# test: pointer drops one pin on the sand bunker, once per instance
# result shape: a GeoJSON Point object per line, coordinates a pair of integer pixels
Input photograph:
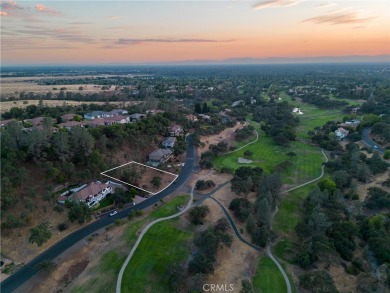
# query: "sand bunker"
{"type": "Point", "coordinates": [244, 161]}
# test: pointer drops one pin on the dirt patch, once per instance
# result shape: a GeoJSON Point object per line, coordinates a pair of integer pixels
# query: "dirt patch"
{"type": "Point", "coordinates": [227, 135]}
{"type": "Point", "coordinates": [72, 266]}
{"type": "Point", "coordinates": [6, 106]}
{"type": "Point", "coordinates": [362, 189]}
{"type": "Point", "coordinates": [143, 176]}
{"type": "Point", "coordinates": [235, 263]}
{"type": "Point", "coordinates": [344, 282]}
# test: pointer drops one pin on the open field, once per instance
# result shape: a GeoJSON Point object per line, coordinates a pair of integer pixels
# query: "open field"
{"type": "Point", "coordinates": [6, 106]}
{"type": "Point", "coordinates": [268, 278]}
{"type": "Point", "coordinates": [102, 276]}
{"type": "Point", "coordinates": [141, 176]}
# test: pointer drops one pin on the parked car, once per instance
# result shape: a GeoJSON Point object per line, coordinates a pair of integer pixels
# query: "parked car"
{"type": "Point", "coordinates": [113, 213]}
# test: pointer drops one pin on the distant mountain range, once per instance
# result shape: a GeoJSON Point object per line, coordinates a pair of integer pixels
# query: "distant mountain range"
{"type": "Point", "coordinates": [284, 60]}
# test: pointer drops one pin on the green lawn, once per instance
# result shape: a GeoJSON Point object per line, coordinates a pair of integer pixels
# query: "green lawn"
{"type": "Point", "coordinates": [268, 278]}
{"type": "Point", "coordinates": [109, 265]}
{"type": "Point", "coordinates": [171, 208]}
{"type": "Point", "coordinates": [306, 165]}
{"type": "Point", "coordinates": [284, 250]}
{"type": "Point", "coordinates": [290, 208]}
{"type": "Point", "coordinates": [163, 246]}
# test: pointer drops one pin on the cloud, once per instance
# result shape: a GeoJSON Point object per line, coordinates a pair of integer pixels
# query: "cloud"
{"type": "Point", "coordinates": [338, 18]}
{"type": "Point", "coordinates": [3, 13]}
{"type": "Point", "coordinates": [9, 5]}
{"type": "Point", "coordinates": [326, 5]}
{"type": "Point", "coordinates": [113, 17]}
{"type": "Point", "coordinates": [44, 9]}
{"type": "Point", "coordinates": [62, 34]}
{"type": "Point", "coordinates": [139, 41]}
{"type": "Point", "coordinates": [276, 3]}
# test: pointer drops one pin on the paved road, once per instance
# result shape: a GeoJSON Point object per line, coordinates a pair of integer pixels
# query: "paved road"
{"type": "Point", "coordinates": [27, 271]}
{"type": "Point", "coordinates": [366, 139]}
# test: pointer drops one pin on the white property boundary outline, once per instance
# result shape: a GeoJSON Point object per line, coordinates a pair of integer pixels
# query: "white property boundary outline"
{"type": "Point", "coordinates": [103, 173]}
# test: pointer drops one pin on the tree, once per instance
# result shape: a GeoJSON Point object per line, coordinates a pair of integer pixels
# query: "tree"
{"type": "Point", "coordinates": [342, 179]}
{"type": "Point", "coordinates": [318, 282]}
{"type": "Point", "coordinates": [246, 287]}
{"type": "Point", "coordinates": [40, 234]}
{"type": "Point", "coordinates": [46, 266]}
{"type": "Point", "coordinates": [291, 155]}
{"type": "Point", "coordinates": [250, 224]}
{"type": "Point", "coordinates": [197, 214]}
{"type": "Point", "coordinates": [327, 184]}
{"type": "Point", "coordinates": [248, 154]}
{"type": "Point", "coordinates": [80, 212]}
{"type": "Point", "coordinates": [376, 164]}
{"type": "Point", "coordinates": [201, 263]}
{"type": "Point", "coordinates": [198, 108]}
{"type": "Point", "coordinates": [222, 225]}
{"type": "Point", "coordinates": [156, 181]}
{"type": "Point", "coordinates": [205, 108]}
{"type": "Point", "coordinates": [176, 276]}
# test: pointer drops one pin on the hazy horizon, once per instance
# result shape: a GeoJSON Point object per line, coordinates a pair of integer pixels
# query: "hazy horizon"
{"type": "Point", "coordinates": [168, 32]}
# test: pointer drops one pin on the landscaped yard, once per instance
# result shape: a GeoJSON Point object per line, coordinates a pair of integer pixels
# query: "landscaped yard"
{"type": "Point", "coordinates": [268, 278]}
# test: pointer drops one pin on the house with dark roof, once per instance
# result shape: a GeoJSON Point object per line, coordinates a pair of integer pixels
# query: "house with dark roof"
{"type": "Point", "coordinates": [175, 130]}
{"type": "Point", "coordinates": [92, 193]}
{"type": "Point", "coordinates": [97, 114]}
{"type": "Point", "coordinates": [169, 142]}
{"type": "Point", "coordinates": [68, 117]}
{"type": "Point", "coordinates": [159, 157]}
{"type": "Point", "coordinates": [70, 124]}
{"type": "Point", "coordinates": [118, 112]}
{"type": "Point", "coordinates": [136, 117]}
{"type": "Point", "coordinates": [117, 119]}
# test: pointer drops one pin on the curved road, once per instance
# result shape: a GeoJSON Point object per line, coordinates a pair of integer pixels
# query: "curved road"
{"type": "Point", "coordinates": [368, 141]}
{"type": "Point", "coordinates": [29, 270]}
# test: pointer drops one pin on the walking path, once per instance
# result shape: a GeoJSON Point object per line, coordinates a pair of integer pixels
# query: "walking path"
{"type": "Point", "coordinates": [143, 232]}
{"type": "Point", "coordinates": [269, 246]}
{"type": "Point", "coordinates": [249, 143]}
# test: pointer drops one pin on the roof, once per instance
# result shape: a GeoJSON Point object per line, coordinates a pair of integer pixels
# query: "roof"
{"type": "Point", "coordinates": [118, 111]}
{"type": "Point", "coordinates": [137, 115]}
{"type": "Point", "coordinates": [342, 130]}
{"type": "Point", "coordinates": [68, 116]}
{"type": "Point", "coordinates": [92, 188]}
{"type": "Point", "coordinates": [115, 118]}
{"type": "Point", "coordinates": [175, 127]}
{"type": "Point", "coordinates": [169, 140]}
{"type": "Point", "coordinates": [97, 121]}
{"type": "Point", "coordinates": [36, 121]}
{"type": "Point", "coordinates": [95, 113]}
{"type": "Point", "coordinates": [71, 124]}
{"type": "Point", "coordinates": [159, 153]}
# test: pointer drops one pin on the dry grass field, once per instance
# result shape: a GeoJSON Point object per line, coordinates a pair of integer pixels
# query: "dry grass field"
{"type": "Point", "coordinates": [6, 106]}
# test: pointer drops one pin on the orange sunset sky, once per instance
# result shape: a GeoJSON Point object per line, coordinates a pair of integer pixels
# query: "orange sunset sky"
{"type": "Point", "coordinates": [101, 32]}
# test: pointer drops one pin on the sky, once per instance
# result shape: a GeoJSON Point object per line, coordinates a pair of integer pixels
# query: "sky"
{"type": "Point", "coordinates": [127, 32]}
